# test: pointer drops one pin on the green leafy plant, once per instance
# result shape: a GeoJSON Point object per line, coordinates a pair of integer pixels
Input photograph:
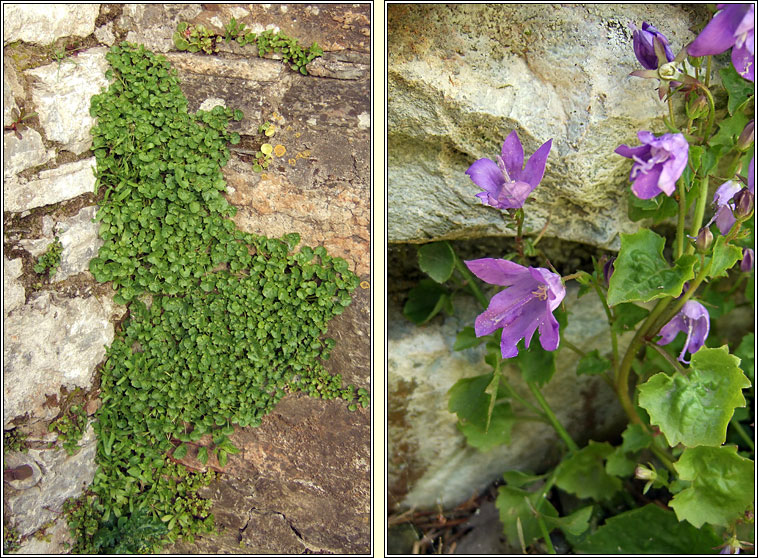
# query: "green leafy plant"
{"type": "Point", "coordinates": [70, 427]}
{"type": "Point", "coordinates": [11, 538]}
{"type": "Point", "coordinates": [14, 440]}
{"type": "Point", "coordinates": [18, 122]}
{"type": "Point", "coordinates": [50, 260]}
{"type": "Point", "coordinates": [232, 322]}
{"type": "Point", "coordinates": [194, 38]}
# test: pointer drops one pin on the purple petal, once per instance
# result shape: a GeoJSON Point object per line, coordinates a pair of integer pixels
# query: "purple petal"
{"type": "Point", "coordinates": [724, 219]}
{"type": "Point", "coordinates": [669, 332]}
{"type": "Point", "coordinates": [556, 289]}
{"type": "Point", "coordinates": [535, 166]}
{"type": "Point", "coordinates": [513, 155]}
{"type": "Point", "coordinates": [641, 151]}
{"type": "Point", "coordinates": [550, 333]}
{"type": "Point", "coordinates": [725, 193]}
{"type": "Point", "coordinates": [751, 176]}
{"type": "Point", "coordinates": [744, 61]}
{"type": "Point", "coordinates": [719, 34]}
{"type": "Point", "coordinates": [646, 185]}
{"type": "Point", "coordinates": [496, 271]}
{"type": "Point", "coordinates": [485, 174]}
{"type": "Point", "coordinates": [513, 195]}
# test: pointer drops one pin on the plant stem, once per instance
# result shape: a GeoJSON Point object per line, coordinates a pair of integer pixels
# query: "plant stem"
{"type": "Point", "coordinates": [573, 347]}
{"type": "Point", "coordinates": [545, 534]}
{"type": "Point", "coordinates": [552, 418]}
{"type": "Point", "coordinates": [671, 360]}
{"type": "Point", "coordinates": [741, 431]}
{"type": "Point", "coordinates": [611, 319]}
{"type": "Point", "coordinates": [711, 111]}
{"type": "Point", "coordinates": [471, 283]}
{"type": "Point", "coordinates": [521, 400]}
{"type": "Point", "coordinates": [680, 222]}
{"type": "Point", "coordinates": [697, 220]}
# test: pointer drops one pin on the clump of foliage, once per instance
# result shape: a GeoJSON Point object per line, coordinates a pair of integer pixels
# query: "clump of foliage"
{"type": "Point", "coordinates": [14, 440]}
{"type": "Point", "coordinates": [11, 538]}
{"type": "Point", "coordinates": [194, 38]}
{"type": "Point", "coordinates": [51, 259]}
{"type": "Point", "coordinates": [70, 427]}
{"type": "Point", "coordinates": [18, 122]}
{"type": "Point", "coordinates": [233, 320]}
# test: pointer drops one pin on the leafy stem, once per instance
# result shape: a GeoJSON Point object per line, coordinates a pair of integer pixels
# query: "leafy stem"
{"type": "Point", "coordinates": [556, 424]}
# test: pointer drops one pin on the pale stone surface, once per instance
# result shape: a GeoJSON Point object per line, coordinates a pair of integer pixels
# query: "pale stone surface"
{"type": "Point", "coordinates": [459, 83]}
{"type": "Point", "coordinates": [253, 69]}
{"type": "Point", "coordinates": [13, 291]}
{"type": "Point", "coordinates": [62, 477]}
{"type": "Point", "coordinates": [105, 34]}
{"type": "Point", "coordinates": [51, 541]}
{"type": "Point", "coordinates": [53, 342]}
{"type": "Point", "coordinates": [51, 186]}
{"type": "Point", "coordinates": [80, 241]}
{"type": "Point", "coordinates": [429, 462]}
{"type": "Point", "coordinates": [44, 23]}
{"type": "Point", "coordinates": [62, 94]}
{"type": "Point", "coordinates": [154, 25]}
{"type": "Point", "coordinates": [24, 153]}
{"type": "Point", "coordinates": [9, 93]}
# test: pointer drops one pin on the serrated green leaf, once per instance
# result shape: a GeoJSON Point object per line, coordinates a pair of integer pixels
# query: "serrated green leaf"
{"type": "Point", "coordinates": [468, 398]}
{"type": "Point", "coordinates": [648, 530]}
{"type": "Point", "coordinates": [592, 363]}
{"type": "Point", "coordinates": [658, 208]}
{"type": "Point", "coordinates": [467, 338]}
{"type": "Point", "coordinates": [574, 524]}
{"type": "Point", "coordinates": [724, 257]}
{"type": "Point", "coordinates": [425, 301]}
{"type": "Point", "coordinates": [518, 479]}
{"type": "Point", "coordinates": [537, 365]}
{"type": "Point", "coordinates": [641, 273]}
{"type": "Point", "coordinates": [739, 89]}
{"type": "Point", "coordinates": [583, 473]}
{"type": "Point", "coordinates": [627, 316]}
{"type": "Point", "coordinates": [180, 452]}
{"type": "Point", "coordinates": [516, 505]}
{"type": "Point", "coordinates": [696, 409]}
{"type": "Point", "coordinates": [437, 260]}
{"type": "Point", "coordinates": [498, 433]}
{"type": "Point", "coordinates": [722, 486]}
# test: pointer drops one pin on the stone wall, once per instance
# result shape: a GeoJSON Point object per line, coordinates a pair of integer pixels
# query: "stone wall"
{"type": "Point", "coordinates": [55, 332]}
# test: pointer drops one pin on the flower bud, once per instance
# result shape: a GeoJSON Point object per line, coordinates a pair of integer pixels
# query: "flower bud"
{"type": "Point", "coordinates": [743, 203]}
{"type": "Point", "coordinates": [747, 260]}
{"type": "Point", "coordinates": [746, 137]}
{"type": "Point", "coordinates": [608, 270]}
{"type": "Point", "coordinates": [703, 240]}
{"type": "Point", "coordinates": [696, 108]}
{"type": "Point", "coordinates": [643, 473]}
{"type": "Point", "coordinates": [669, 72]}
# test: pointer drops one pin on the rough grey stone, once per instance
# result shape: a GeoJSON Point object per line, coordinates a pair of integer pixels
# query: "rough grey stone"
{"type": "Point", "coordinates": [51, 186]}
{"type": "Point", "coordinates": [51, 540]}
{"type": "Point", "coordinates": [13, 291]}
{"type": "Point", "coordinates": [459, 83]}
{"type": "Point", "coordinates": [44, 23]}
{"type": "Point", "coordinates": [24, 153]}
{"type": "Point", "coordinates": [49, 343]}
{"type": "Point", "coordinates": [429, 462]}
{"type": "Point", "coordinates": [105, 34]}
{"type": "Point", "coordinates": [9, 93]}
{"type": "Point", "coordinates": [37, 246]}
{"type": "Point", "coordinates": [80, 241]}
{"type": "Point", "coordinates": [254, 69]}
{"type": "Point", "coordinates": [154, 25]}
{"type": "Point", "coordinates": [62, 93]}
{"type": "Point", "coordinates": [62, 477]}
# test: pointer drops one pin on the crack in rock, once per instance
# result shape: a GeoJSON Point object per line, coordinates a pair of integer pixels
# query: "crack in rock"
{"type": "Point", "coordinates": [289, 522]}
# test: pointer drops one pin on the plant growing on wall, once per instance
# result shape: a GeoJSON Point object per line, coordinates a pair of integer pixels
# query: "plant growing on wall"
{"type": "Point", "coordinates": [682, 479]}
{"type": "Point", "coordinates": [221, 322]}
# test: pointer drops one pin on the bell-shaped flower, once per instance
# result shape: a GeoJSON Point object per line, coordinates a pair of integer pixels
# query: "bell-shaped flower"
{"type": "Point", "coordinates": [505, 183]}
{"type": "Point", "coordinates": [644, 41]}
{"type": "Point", "coordinates": [733, 27]}
{"type": "Point", "coordinates": [694, 321]}
{"type": "Point", "coordinates": [658, 163]}
{"type": "Point", "coordinates": [525, 306]}
{"type": "Point", "coordinates": [725, 198]}
{"type": "Point", "coordinates": [748, 256]}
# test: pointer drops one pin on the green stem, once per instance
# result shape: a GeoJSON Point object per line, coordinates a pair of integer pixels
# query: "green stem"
{"type": "Point", "coordinates": [611, 319]}
{"type": "Point", "coordinates": [545, 534]}
{"type": "Point", "coordinates": [680, 222]}
{"type": "Point", "coordinates": [519, 237]}
{"type": "Point", "coordinates": [573, 347]}
{"type": "Point", "coordinates": [711, 112]}
{"type": "Point", "coordinates": [697, 220]}
{"type": "Point", "coordinates": [741, 431]}
{"type": "Point", "coordinates": [622, 378]}
{"type": "Point", "coordinates": [470, 281]}
{"type": "Point", "coordinates": [513, 393]}
{"type": "Point", "coordinates": [564, 435]}
{"type": "Point", "coordinates": [671, 360]}
{"type": "Point", "coordinates": [708, 71]}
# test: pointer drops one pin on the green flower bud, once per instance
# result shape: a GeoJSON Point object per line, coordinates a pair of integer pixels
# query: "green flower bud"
{"type": "Point", "coordinates": [704, 240]}
{"type": "Point", "coordinates": [743, 203]}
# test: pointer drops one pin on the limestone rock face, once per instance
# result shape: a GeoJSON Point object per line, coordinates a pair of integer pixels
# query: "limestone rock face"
{"type": "Point", "coordinates": [62, 94]}
{"type": "Point", "coordinates": [49, 343]}
{"type": "Point", "coordinates": [42, 24]}
{"type": "Point", "coordinates": [24, 153]}
{"type": "Point", "coordinates": [462, 77]}
{"type": "Point", "coordinates": [51, 186]}
{"type": "Point", "coordinates": [80, 241]}
{"type": "Point", "coordinates": [13, 291]}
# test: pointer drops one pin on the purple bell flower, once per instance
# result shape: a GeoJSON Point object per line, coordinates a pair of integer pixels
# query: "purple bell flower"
{"type": "Point", "coordinates": [506, 184]}
{"type": "Point", "coordinates": [644, 45]}
{"type": "Point", "coordinates": [692, 319]}
{"type": "Point", "coordinates": [659, 162]}
{"type": "Point", "coordinates": [733, 27]}
{"type": "Point", "coordinates": [724, 200]}
{"type": "Point", "coordinates": [747, 260]}
{"type": "Point", "coordinates": [526, 305]}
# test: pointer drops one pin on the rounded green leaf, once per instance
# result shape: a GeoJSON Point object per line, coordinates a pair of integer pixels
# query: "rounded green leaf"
{"type": "Point", "coordinates": [695, 409]}
{"type": "Point", "coordinates": [437, 260]}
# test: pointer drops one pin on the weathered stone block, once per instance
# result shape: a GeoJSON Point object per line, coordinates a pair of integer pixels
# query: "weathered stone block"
{"type": "Point", "coordinates": [51, 186]}
{"type": "Point", "coordinates": [42, 24]}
